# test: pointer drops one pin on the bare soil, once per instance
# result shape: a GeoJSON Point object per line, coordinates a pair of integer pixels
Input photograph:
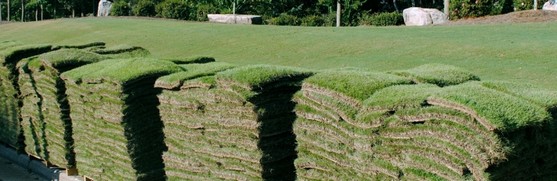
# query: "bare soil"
{"type": "Point", "coordinates": [527, 16]}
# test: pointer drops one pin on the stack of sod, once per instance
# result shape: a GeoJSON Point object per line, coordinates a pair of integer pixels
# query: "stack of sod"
{"type": "Point", "coordinates": [467, 131]}
{"type": "Point", "coordinates": [177, 105]}
{"type": "Point", "coordinates": [474, 130]}
{"type": "Point", "coordinates": [234, 125]}
{"type": "Point", "coordinates": [46, 124]}
{"type": "Point", "coordinates": [332, 141]}
{"type": "Point", "coordinates": [117, 127]}
{"type": "Point", "coordinates": [10, 55]}
{"type": "Point", "coordinates": [123, 51]}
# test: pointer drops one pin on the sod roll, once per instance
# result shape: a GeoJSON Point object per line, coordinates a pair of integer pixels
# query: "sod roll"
{"type": "Point", "coordinates": [46, 122]}
{"type": "Point", "coordinates": [234, 125]}
{"type": "Point", "coordinates": [10, 54]}
{"type": "Point", "coordinates": [123, 51]}
{"type": "Point", "coordinates": [117, 127]}
{"type": "Point", "coordinates": [437, 124]}
{"type": "Point", "coordinates": [332, 141]}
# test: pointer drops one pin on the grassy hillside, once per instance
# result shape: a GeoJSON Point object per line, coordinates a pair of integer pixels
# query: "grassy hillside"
{"type": "Point", "coordinates": [515, 52]}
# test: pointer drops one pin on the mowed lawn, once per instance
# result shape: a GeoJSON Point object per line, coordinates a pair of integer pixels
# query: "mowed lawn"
{"type": "Point", "coordinates": [513, 52]}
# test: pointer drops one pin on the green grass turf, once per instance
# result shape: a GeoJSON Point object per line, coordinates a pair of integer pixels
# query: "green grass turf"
{"type": "Point", "coordinates": [512, 52]}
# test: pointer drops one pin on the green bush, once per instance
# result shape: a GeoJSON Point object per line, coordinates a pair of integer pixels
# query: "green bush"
{"type": "Point", "coordinates": [382, 19]}
{"type": "Point", "coordinates": [520, 5]}
{"type": "Point", "coordinates": [203, 10]}
{"type": "Point", "coordinates": [144, 8]}
{"type": "Point", "coordinates": [313, 20]}
{"type": "Point", "coordinates": [174, 9]}
{"type": "Point", "coordinates": [467, 8]}
{"type": "Point", "coordinates": [285, 19]}
{"type": "Point", "coordinates": [120, 8]}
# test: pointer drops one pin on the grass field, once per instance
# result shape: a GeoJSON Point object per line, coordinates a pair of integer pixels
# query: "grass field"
{"type": "Point", "coordinates": [515, 52]}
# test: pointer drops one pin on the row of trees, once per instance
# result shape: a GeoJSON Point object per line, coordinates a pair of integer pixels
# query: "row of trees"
{"type": "Point", "coordinates": [290, 12]}
{"type": "Point", "coordinates": [29, 10]}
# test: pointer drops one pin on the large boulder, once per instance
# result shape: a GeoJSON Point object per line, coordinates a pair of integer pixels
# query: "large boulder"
{"type": "Point", "coordinates": [235, 19]}
{"type": "Point", "coordinates": [550, 5]}
{"type": "Point", "coordinates": [423, 16]}
{"type": "Point", "coordinates": [104, 8]}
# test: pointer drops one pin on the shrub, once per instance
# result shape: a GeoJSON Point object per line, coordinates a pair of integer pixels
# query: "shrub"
{"type": "Point", "coordinates": [144, 8]}
{"type": "Point", "coordinates": [313, 20]}
{"type": "Point", "coordinates": [203, 10]}
{"type": "Point", "coordinates": [120, 8]}
{"type": "Point", "coordinates": [520, 5]}
{"type": "Point", "coordinates": [285, 19]}
{"type": "Point", "coordinates": [175, 9]}
{"type": "Point", "coordinates": [466, 8]}
{"type": "Point", "coordinates": [383, 19]}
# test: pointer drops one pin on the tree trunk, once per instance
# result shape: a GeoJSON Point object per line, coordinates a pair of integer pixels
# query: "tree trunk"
{"type": "Point", "coordinates": [446, 7]}
{"type": "Point", "coordinates": [73, 13]}
{"type": "Point", "coordinates": [22, 10]}
{"type": "Point", "coordinates": [8, 10]}
{"type": "Point", "coordinates": [37, 14]}
{"type": "Point", "coordinates": [42, 12]}
{"type": "Point", "coordinates": [338, 13]}
{"type": "Point", "coordinates": [535, 4]}
{"type": "Point", "coordinates": [396, 7]}
{"type": "Point", "coordinates": [0, 12]}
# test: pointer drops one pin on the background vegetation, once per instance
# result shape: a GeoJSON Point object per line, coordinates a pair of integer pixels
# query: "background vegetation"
{"type": "Point", "coordinates": [278, 12]}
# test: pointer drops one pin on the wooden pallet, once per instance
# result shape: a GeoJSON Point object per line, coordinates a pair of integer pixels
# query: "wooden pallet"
{"type": "Point", "coordinates": [85, 178]}
{"type": "Point", "coordinates": [71, 171]}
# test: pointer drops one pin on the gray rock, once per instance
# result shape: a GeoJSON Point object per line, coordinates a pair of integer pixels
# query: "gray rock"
{"type": "Point", "coordinates": [423, 16]}
{"type": "Point", "coordinates": [550, 5]}
{"type": "Point", "coordinates": [104, 8]}
{"type": "Point", "coordinates": [235, 19]}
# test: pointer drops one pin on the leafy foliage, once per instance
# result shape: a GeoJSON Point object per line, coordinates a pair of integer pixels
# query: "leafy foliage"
{"type": "Point", "coordinates": [383, 19]}
{"type": "Point", "coordinates": [174, 9]}
{"type": "Point", "coordinates": [144, 8]}
{"type": "Point", "coordinates": [120, 8]}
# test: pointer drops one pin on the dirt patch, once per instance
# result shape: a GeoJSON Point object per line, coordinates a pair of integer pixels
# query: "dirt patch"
{"type": "Point", "coordinates": [514, 17]}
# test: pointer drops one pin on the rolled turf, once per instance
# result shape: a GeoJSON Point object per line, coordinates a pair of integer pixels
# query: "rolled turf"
{"type": "Point", "coordinates": [46, 122]}
{"type": "Point", "coordinates": [235, 125]}
{"type": "Point", "coordinates": [10, 54]}
{"type": "Point", "coordinates": [117, 127]}
{"type": "Point", "coordinates": [441, 125]}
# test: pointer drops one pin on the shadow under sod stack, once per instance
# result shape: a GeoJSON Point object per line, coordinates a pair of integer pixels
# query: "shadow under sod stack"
{"type": "Point", "coordinates": [117, 127]}
{"type": "Point", "coordinates": [234, 124]}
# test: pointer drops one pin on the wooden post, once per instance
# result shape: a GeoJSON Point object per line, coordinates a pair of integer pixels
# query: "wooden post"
{"type": "Point", "coordinates": [338, 13]}
{"type": "Point", "coordinates": [446, 7]}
